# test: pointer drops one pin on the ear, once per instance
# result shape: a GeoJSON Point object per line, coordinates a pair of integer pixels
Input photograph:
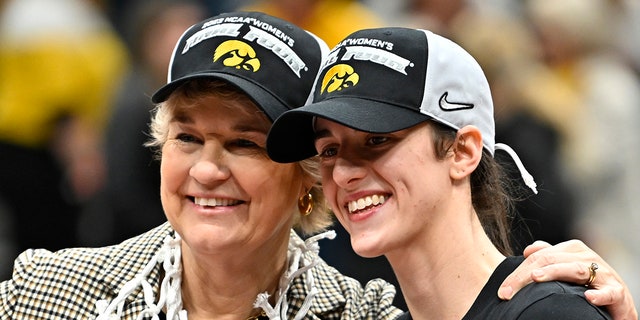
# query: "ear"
{"type": "Point", "coordinates": [467, 152]}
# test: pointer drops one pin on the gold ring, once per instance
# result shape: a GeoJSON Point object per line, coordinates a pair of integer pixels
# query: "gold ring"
{"type": "Point", "coordinates": [592, 274]}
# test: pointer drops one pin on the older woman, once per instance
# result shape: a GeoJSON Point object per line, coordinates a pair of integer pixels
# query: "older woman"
{"type": "Point", "coordinates": [229, 249]}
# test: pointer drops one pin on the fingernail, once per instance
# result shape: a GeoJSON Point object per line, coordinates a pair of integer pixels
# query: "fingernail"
{"type": "Point", "coordinates": [505, 292]}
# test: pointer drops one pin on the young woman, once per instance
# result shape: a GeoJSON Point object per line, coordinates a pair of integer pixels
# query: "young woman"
{"type": "Point", "coordinates": [403, 124]}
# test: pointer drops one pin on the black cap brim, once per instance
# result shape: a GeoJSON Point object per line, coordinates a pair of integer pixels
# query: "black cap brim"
{"type": "Point", "coordinates": [292, 136]}
{"type": "Point", "coordinates": [271, 106]}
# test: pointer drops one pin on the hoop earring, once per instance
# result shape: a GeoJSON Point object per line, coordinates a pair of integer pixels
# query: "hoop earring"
{"type": "Point", "coordinates": [305, 204]}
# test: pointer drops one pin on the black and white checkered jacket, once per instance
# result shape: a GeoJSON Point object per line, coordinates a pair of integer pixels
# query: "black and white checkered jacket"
{"type": "Point", "coordinates": [67, 284]}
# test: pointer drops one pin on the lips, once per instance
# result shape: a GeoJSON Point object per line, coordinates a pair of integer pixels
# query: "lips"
{"type": "Point", "coordinates": [365, 203]}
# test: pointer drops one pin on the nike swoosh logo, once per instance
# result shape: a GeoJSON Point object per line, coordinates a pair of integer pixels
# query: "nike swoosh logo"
{"type": "Point", "coordinates": [453, 106]}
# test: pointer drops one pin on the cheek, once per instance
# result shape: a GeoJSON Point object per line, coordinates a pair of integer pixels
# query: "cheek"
{"type": "Point", "coordinates": [292, 184]}
{"type": "Point", "coordinates": [274, 195]}
{"type": "Point", "coordinates": [329, 188]}
{"type": "Point", "coordinates": [173, 172]}
{"type": "Point", "coordinates": [274, 183]}
{"type": "Point", "coordinates": [426, 193]}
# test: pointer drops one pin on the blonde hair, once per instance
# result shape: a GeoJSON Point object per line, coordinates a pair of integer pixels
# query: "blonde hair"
{"type": "Point", "coordinates": [320, 217]}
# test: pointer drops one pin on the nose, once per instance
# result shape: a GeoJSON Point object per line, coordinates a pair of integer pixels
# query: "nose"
{"type": "Point", "coordinates": [347, 173]}
{"type": "Point", "coordinates": [210, 167]}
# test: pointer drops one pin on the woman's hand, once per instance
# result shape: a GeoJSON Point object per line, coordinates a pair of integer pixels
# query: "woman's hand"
{"type": "Point", "coordinates": [569, 261]}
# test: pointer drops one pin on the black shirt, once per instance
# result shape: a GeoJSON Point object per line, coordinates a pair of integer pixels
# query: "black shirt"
{"type": "Point", "coordinates": [546, 300]}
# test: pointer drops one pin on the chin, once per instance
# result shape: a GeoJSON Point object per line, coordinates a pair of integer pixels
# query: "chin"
{"type": "Point", "coordinates": [366, 248]}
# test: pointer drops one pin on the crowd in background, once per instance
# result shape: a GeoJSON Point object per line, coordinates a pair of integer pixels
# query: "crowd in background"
{"type": "Point", "coordinates": [76, 77]}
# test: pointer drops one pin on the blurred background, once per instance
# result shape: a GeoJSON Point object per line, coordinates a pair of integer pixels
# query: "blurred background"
{"type": "Point", "coordinates": [76, 78]}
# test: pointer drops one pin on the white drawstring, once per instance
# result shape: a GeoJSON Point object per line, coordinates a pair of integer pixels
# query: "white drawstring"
{"type": "Point", "coordinates": [526, 176]}
{"type": "Point", "coordinates": [298, 264]}
{"type": "Point", "coordinates": [170, 256]}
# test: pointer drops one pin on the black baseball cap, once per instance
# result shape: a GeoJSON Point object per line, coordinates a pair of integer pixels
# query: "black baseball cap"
{"type": "Point", "coordinates": [388, 79]}
{"type": "Point", "coordinates": [273, 61]}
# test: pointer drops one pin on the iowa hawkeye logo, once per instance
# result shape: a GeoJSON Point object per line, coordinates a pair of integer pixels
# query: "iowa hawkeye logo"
{"type": "Point", "coordinates": [338, 77]}
{"type": "Point", "coordinates": [237, 54]}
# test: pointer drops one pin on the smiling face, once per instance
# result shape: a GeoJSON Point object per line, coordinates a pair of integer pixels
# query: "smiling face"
{"type": "Point", "coordinates": [219, 189]}
{"type": "Point", "coordinates": [386, 189]}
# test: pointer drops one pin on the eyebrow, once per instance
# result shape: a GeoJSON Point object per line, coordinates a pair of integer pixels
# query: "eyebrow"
{"type": "Point", "coordinates": [181, 119]}
{"type": "Point", "coordinates": [181, 116]}
{"type": "Point", "coordinates": [244, 127]}
{"type": "Point", "coordinates": [321, 134]}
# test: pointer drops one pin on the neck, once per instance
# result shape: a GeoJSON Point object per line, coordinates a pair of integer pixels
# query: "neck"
{"type": "Point", "coordinates": [442, 273]}
{"type": "Point", "coordinates": [228, 284]}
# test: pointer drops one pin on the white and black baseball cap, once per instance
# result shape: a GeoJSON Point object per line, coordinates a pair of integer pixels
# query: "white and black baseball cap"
{"type": "Point", "coordinates": [271, 60]}
{"type": "Point", "coordinates": [388, 79]}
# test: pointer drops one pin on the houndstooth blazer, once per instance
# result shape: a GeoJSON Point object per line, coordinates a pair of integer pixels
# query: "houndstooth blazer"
{"type": "Point", "coordinates": [66, 284]}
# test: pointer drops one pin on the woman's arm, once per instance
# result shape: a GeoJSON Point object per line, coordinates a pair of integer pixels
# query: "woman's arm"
{"type": "Point", "coordinates": [569, 261]}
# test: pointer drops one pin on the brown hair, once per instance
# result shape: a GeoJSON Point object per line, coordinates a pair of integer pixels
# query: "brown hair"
{"type": "Point", "coordinates": [319, 218]}
{"type": "Point", "coordinates": [490, 190]}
